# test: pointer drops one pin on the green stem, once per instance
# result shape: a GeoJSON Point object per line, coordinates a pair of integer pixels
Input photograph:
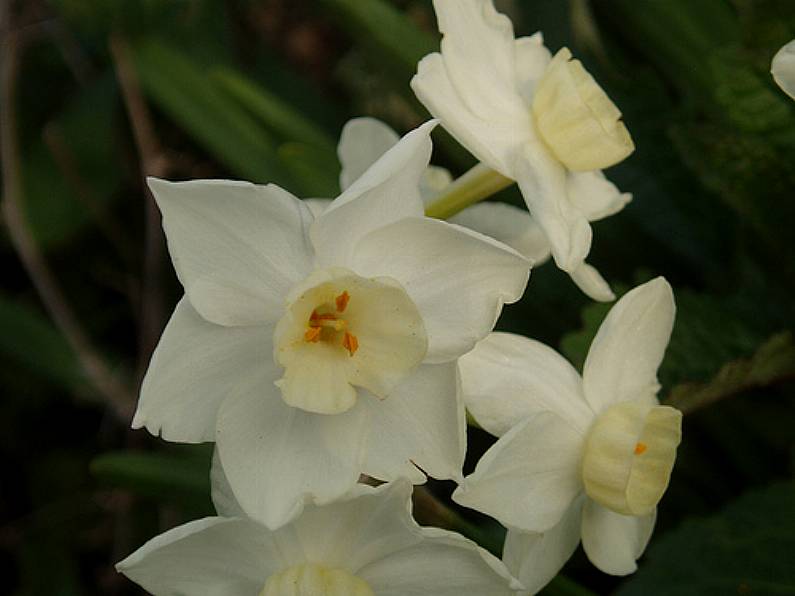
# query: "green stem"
{"type": "Point", "coordinates": [477, 184]}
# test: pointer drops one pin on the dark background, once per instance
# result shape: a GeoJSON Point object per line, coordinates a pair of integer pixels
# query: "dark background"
{"type": "Point", "coordinates": [259, 90]}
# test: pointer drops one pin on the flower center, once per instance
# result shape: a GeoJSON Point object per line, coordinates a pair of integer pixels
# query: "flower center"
{"type": "Point", "coordinates": [342, 331]}
{"type": "Point", "coordinates": [577, 120]}
{"type": "Point", "coordinates": [315, 580]}
{"type": "Point", "coordinates": [629, 454]}
{"type": "Point", "coordinates": [326, 324]}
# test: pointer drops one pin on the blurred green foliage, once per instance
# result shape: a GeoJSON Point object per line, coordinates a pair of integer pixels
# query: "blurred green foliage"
{"type": "Point", "coordinates": [259, 89]}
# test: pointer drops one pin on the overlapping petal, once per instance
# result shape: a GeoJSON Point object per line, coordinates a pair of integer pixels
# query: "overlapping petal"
{"type": "Point", "coordinates": [237, 247]}
{"type": "Point", "coordinates": [532, 59]}
{"type": "Point", "coordinates": [194, 367]}
{"type": "Point", "coordinates": [629, 346]}
{"type": "Point", "coordinates": [535, 558]}
{"type": "Point", "coordinates": [458, 279]}
{"type": "Point", "coordinates": [420, 423]}
{"type": "Point", "coordinates": [277, 458]}
{"type": "Point", "coordinates": [507, 378]}
{"type": "Point", "coordinates": [591, 282]}
{"type": "Point", "coordinates": [613, 542]}
{"type": "Point", "coordinates": [362, 142]}
{"type": "Point", "coordinates": [208, 557]}
{"type": "Point", "coordinates": [594, 195]}
{"type": "Point", "coordinates": [530, 476]}
{"type": "Point", "coordinates": [387, 192]}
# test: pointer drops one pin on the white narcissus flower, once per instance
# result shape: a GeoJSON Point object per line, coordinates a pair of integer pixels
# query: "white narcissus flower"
{"type": "Point", "coordinates": [539, 120]}
{"type": "Point", "coordinates": [783, 68]}
{"type": "Point", "coordinates": [365, 545]}
{"type": "Point", "coordinates": [364, 140]}
{"type": "Point", "coordinates": [317, 349]}
{"type": "Point", "coordinates": [578, 457]}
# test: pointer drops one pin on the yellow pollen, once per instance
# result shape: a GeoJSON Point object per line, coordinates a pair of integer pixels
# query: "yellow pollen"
{"type": "Point", "coordinates": [342, 301]}
{"type": "Point", "coordinates": [312, 334]}
{"type": "Point", "coordinates": [350, 343]}
{"type": "Point", "coordinates": [640, 448]}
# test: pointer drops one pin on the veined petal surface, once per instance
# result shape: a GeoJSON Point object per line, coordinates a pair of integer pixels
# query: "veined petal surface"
{"type": "Point", "coordinates": [458, 279]}
{"type": "Point", "coordinates": [195, 366]}
{"type": "Point", "coordinates": [629, 346]}
{"type": "Point", "coordinates": [507, 378]}
{"type": "Point", "coordinates": [237, 247]}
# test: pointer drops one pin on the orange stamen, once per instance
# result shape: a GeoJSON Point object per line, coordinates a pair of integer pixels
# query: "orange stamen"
{"type": "Point", "coordinates": [350, 343]}
{"type": "Point", "coordinates": [315, 317]}
{"type": "Point", "coordinates": [640, 448]}
{"type": "Point", "coordinates": [342, 301]}
{"type": "Point", "coordinates": [312, 334]}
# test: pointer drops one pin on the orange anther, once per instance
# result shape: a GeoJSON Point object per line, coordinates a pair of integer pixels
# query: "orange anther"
{"type": "Point", "coordinates": [350, 343]}
{"type": "Point", "coordinates": [640, 448]}
{"type": "Point", "coordinates": [312, 334]}
{"type": "Point", "coordinates": [342, 301]}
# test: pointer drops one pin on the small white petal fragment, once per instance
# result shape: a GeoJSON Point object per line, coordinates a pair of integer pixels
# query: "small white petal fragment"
{"type": "Point", "coordinates": [315, 580]}
{"type": "Point", "coordinates": [629, 455]}
{"type": "Point", "coordinates": [613, 542]}
{"type": "Point", "coordinates": [576, 118]}
{"type": "Point", "coordinates": [341, 331]}
{"type": "Point", "coordinates": [783, 68]}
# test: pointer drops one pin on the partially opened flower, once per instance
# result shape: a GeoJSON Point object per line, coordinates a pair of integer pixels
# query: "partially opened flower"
{"type": "Point", "coordinates": [578, 457]}
{"type": "Point", "coordinates": [539, 120]}
{"type": "Point", "coordinates": [364, 140]}
{"type": "Point", "coordinates": [316, 349]}
{"type": "Point", "coordinates": [783, 68]}
{"type": "Point", "coordinates": [366, 545]}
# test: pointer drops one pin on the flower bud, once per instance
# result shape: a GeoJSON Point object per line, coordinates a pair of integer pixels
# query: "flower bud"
{"type": "Point", "coordinates": [576, 119]}
{"type": "Point", "coordinates": [629, 454]}
{"type": "Point", "coordinates": [315, 580]}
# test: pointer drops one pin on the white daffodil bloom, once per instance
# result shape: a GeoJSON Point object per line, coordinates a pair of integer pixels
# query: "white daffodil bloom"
{"type": "Point", "coordinates": [315, 349]}
{"type": "Point", "coordinates": [539, 120]}
{"type": "Point", "coordinates": [364, 140]}
{"type": "Point", "coordinates": [366, 545]}
{"type": "Point", "coordinates": [578, 457]}
{"type": "Point", "coordinates": [783, 68]}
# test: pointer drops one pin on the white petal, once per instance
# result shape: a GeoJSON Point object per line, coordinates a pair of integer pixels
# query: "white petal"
{"type": "Point", "coordinates": [443, 564]}
{"type": "Point", "coordinates": [421, 422]}
{"type": "Point", "coordinates": [362, 142]}
{"type": "Point", "coordinates": [223, 497]}
{"type": "Point", "coordinates": [783, 68]}
{"type": "Point", "coordinates": [278, 458]}
{"type": "Point", "coordinates": [365, 526]}
{"type": "Point", "coordinates": [542, 180]}
{"type": "Point", "coordinates": [591, 282]}
{"type": "Point", "coordinates": [594, 195]}
{"type": "Point", "coordinates": [629, 346]}
{"type": "Point", "coordinates": [529, 477]}
{"type": "Point", "coordinates": [317, 206]}
{"type": "Point", "coordinates": [388, 191]}
{"type": "Point", "coordinates": [194, 367]}
{"type": "Point", "coordinates": [208, 557]}
{"type": "Point", "coordinates": [458, 279]}
{"type": "Point", "coordinates": [237, 247]}
{"type": "Point", "coordinates": [494, 142]}
{"type": "Point", "coordinates": [508, 224]}
{"type": "Point", "coordinates": [535, 558]}
{"type": "Point", "coordinates": [532, 59]}
{"type": "Point", "coordinates": [508, 378]}
{"type": "Point", "coordinates": [478, 52]}
{"type": "Point", "coordinates": [613, 542]}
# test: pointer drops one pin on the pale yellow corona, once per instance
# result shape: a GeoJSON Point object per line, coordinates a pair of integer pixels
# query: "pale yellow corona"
{"type": "Point", "coordinates": [629, 455]}
{"type": "Point", "coordinates": [315, 580]}
{"type": "Point", "coordinates": [343, 331]}
{"type": "Point", "coordinates": [576, 119]}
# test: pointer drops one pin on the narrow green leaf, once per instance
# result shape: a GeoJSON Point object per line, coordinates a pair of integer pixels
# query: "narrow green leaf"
{"type": "Point", "coordinates": [278, 116]}
{"type": "Point", "coordinates": [30, 340]}
{"type": "Point", "coordinates": [181, 88]}
{"type": "Point", "coordinates": [180, 478]}
{"type": "Point", "coordinates": [315, 169]}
